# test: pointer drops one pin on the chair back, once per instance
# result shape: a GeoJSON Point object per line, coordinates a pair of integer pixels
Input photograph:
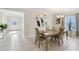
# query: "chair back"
{"type": "Point", "coordinates": [61, 31]}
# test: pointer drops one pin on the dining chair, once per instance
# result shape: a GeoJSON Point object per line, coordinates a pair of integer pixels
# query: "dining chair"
{"type": "Point", "coordinates": [59, 35]}
{"type": "Point", "coordinates": [39, 37]}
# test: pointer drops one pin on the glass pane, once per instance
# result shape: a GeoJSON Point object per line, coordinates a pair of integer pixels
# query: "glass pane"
{"type": "Point", "coordinates": [70, 23]}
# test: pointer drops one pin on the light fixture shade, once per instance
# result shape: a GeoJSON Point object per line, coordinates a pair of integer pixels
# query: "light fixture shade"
{"type": "Point", "coordinates": [60, 16]}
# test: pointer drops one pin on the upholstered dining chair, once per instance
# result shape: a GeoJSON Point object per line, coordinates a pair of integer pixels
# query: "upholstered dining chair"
{"type": "Point", "coordinates": [39, 37]}
{"type": "Point", "coordinates": [59, 35]}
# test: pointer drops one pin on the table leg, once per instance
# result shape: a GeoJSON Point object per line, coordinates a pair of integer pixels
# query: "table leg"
{"type": "Point", "coordinates": [46, 44]}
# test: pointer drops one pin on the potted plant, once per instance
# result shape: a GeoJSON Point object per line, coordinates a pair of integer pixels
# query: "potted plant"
{"type": "Point", "coordinates": [3, 26]}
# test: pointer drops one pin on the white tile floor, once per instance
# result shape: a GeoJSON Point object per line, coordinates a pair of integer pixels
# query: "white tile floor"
{"type": "Point", "coordinates": [14, 41]}
{"type": "Point", "coordinates": [8, 42]}
{"type": "Point", "coordinates": [28, 45]}
{"type": "Point", "coordinates": [72, 44]}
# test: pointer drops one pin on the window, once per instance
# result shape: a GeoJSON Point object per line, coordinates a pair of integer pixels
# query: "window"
{"type": "Point", "coordinates": [70, 23]}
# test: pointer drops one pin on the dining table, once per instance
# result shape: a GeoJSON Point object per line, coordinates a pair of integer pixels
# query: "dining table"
{"type": "Point", "coordinates": [46, 34]}
{"type": "Point", "coordinates": [50, 33]}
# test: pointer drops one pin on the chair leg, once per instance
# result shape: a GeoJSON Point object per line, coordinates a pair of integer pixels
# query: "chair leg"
{"type": "Point", "coordinates": [62, 40]}
{"type": "Point", "coordinates": [35, 40]}
{"type": "Point", "coordinates": [55, 40]}
{"type": "Point", "coordinates": [39, 44]}
{"type": "Point", "coordinates": [58, 41]}
{"type": "Point", "coordinates": [46, 45]}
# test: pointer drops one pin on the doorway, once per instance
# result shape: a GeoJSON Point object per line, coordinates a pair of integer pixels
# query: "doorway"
{"type": "Point", "coordinates": [14, 20]}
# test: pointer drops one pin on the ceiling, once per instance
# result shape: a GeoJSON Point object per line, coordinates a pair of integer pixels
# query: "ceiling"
{"type": "Point", "coordinates": [50, 10]}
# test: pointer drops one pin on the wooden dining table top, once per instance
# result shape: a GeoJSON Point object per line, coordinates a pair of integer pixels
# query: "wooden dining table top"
{"type": "Point", "coordinates": [48, 33]}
